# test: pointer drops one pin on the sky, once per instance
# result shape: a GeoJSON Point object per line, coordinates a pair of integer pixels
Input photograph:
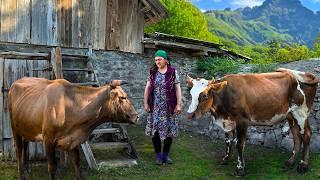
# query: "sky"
{"type": "Point", "coordinates": [204, 5]}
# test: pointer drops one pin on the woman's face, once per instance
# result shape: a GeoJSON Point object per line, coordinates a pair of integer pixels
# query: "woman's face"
{"type": "Point", "coordinates": [160, 62]}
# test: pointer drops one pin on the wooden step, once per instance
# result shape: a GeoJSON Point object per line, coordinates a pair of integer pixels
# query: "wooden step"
{"type": "Point", "coordinates": [76, 69]}
{"type": "Point", "coordinates": [117, 163]}
{"type": "Point", "coordinates": [106, 131]}
{"type": "Point", "coordinates": [109, 145]}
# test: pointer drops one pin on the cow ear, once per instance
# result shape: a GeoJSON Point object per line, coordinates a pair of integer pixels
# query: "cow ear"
{"type": "Point", "coordinates": [217, 87]}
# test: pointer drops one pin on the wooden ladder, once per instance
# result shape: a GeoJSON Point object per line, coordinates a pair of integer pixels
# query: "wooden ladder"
{"type": "Point", "coordinates": [59, 64]}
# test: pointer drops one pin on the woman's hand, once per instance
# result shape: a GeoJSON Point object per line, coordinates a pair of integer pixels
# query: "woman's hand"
{"type": "Point", "coordinates": [177, 109]}
{"type": "Point", "coordinates": [146, 108]}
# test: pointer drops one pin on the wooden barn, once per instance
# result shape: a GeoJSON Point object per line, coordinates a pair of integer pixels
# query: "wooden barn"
{"type": "Point", "coordinates": [31, 32]}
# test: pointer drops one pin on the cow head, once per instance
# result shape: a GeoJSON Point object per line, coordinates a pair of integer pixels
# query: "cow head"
{"type": "Point", "coordinates": [202, 93]}
{"type": "Point", "coordinates": [122, 110]}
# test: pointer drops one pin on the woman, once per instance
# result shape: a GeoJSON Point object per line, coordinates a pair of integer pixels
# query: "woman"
{"type": "Point", "coordinates": [162, 100]}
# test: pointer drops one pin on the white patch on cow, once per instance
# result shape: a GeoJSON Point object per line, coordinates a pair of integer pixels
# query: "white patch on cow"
{"type": "Point", "coordinates": [300, 113]}
{"type": "Point", "coordinates": [235, 140]}
{"type": "Point", "coordinates": [197, 88]}
{"type": "Point", "coordinates": [268, 122]}
{"type": "Point", "coordinates": [38, 137]}
{"type": "Point", "coordinates": [229, 125]}
{"type": "Point", "coordinates": [239, 165]}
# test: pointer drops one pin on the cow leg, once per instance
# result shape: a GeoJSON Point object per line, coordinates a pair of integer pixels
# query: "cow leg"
{"type": "Point", "coordinates": [294, 127]}
{"type": "Point", "coordinates": [75, 160]}
{"type": "Point", "coordinates": [229, 141]}
{"type": "Point", "coordinates": [241, 132]}
{"type": "Point", "coordinates": [19, 143]}
{"type": "Point", "coordinates": [52, 164]}
{"type": "Point", "coordinates": [304, 163]}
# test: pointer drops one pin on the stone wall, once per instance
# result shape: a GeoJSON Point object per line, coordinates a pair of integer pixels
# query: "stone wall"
{"type": "Point", "coordinates": [135, 69]}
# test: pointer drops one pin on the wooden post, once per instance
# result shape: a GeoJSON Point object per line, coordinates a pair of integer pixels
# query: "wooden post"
{"type": "Point", "coordinates": [56, 62]}
{"type": "Point", "coordinates": [1, 104]}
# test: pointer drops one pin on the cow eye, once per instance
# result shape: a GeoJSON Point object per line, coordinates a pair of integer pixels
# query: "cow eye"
{"type": "Point", "coordinates": [123, 98]}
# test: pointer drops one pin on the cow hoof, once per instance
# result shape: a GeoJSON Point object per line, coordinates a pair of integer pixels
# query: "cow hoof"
{"type": "Point", "coordinates": [240, 172]}
{"type": "Point", "coordinates": [288, 165]}
{"type": "Point", "coordinates": [302, 168]}
{"type": "Point", "coordinates": [224, 161]}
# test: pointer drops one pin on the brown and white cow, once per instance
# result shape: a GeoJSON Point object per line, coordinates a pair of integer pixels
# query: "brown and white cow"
{"type": "Point", "coordinates": [240, 100]}
{"type": "Point", "coordinates": [62, 115]}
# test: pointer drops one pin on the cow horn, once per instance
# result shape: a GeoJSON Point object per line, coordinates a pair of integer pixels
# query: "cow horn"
{"type": "Point", "coordinates": [212, 80]}
{"type": "Point", "coordinates": [189, 81]}
{"type": "Point", "coordinates": [115, 83]}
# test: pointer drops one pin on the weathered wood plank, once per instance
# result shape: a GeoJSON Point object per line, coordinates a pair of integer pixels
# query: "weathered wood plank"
{"type": "Point", "coordinates": [112, 29]}
{"type": "Point", "coordinates": [52, 23]}
{"type": "Point", "coordinates": [39, 25]}
{"type": "Point", "coordinates": [10, 67]}
{"type": "Point", "coordinates": [8, 20]}
{"type": "Point", "coordinates": [75, 23]}
{"type": "Point", "coordinates": [23, 21]}
{"type": "Point", "coordinates": [55, 54]}
{"type": "Point", "coordinates": [89, 155]}
{"type": "Point", "coordinates": [23, 56]}
{"type": "Point", "coordinates": [86, 23]}
{"type": "Point", "coordinates": [100, 24]}
{"type": "Point", "coordinates": [1, 103]}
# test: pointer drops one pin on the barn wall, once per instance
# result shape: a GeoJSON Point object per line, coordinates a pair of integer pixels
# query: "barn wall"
{"type": "Point", "coordinates": [104, 24]}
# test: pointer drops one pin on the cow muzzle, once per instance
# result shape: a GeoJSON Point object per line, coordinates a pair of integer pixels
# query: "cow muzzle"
{"type": "Point", "coordinates": [191, 115]}
{"type": "Point", "coordinates": [134, 118]}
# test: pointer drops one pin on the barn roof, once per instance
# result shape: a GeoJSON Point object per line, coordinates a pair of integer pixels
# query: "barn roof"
{"type": "Point", "coordinates": [154, 11]}
{"type": "Point", "coordinates": [195, 47]}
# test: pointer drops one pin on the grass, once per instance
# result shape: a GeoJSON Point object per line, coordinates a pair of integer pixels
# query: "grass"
{"type": "Point", "coordinates": [195, 157]}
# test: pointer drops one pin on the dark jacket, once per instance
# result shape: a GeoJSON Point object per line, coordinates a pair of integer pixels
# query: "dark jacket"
{"type": "Point", "coordinates": [170, 88]}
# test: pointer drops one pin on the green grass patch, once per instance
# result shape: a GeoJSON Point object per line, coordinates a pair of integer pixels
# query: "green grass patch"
{"type": "Point", "coordinates": [194, 156]}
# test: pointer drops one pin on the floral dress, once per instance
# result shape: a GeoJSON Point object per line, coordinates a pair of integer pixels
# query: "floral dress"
{"type": "Point", "coordinates": [160, 119]}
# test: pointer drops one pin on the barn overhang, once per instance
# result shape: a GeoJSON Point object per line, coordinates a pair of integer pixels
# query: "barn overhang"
{"type": "Point", "coordinates": [192, 47]}
{"type": "Point", "coordinates": [153, 11]}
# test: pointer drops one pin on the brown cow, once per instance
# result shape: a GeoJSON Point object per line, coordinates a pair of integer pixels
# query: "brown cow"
{"type": "Point", "coordinates": [237, 101]}
{"type": "Point", "coordinates": [62, 115]}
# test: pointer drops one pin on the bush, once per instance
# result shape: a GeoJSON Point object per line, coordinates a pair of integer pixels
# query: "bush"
{"type": "Point", "coordinates": [218, 67]}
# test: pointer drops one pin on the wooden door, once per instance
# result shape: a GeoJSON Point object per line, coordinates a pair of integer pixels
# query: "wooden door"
{"type": "Point", "coordinates": [12, 70]}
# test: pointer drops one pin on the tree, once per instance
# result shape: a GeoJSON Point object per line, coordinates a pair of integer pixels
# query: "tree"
{"type": "Point", "coordinates": [185, 20]}
{"type": "Point", "coordinates": [316, 46]}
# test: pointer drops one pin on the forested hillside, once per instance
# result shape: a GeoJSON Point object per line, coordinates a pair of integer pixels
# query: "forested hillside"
{"type": "Point", "coordinates": [284, 20]}
{"type": "Point", "coordinates": [277, 31]}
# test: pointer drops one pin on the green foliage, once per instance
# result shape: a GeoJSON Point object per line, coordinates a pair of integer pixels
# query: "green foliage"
{"type": "Point", "coordinates": [185, 20]}
{"type": "Point", "coordinates": [316, 46]}
{"type": "Point", "coordinates": [219, 66]}
{"type": "Point", "coordinates": [262, 68]}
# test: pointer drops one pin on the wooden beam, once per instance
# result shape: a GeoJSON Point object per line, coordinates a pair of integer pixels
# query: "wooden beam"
{"type": "Point", "coordinates": [24, 56]}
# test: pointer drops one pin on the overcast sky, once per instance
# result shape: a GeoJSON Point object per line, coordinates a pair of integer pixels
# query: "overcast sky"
{"type": "Point", "coordinates": [203, 5]}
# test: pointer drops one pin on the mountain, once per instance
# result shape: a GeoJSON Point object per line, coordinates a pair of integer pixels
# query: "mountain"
{"type": "Point", "coordinates": [287, 20]}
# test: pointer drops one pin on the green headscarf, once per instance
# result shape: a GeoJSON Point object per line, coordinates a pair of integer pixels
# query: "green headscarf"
{"type": "Point", "coordinates": [161, 53]}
